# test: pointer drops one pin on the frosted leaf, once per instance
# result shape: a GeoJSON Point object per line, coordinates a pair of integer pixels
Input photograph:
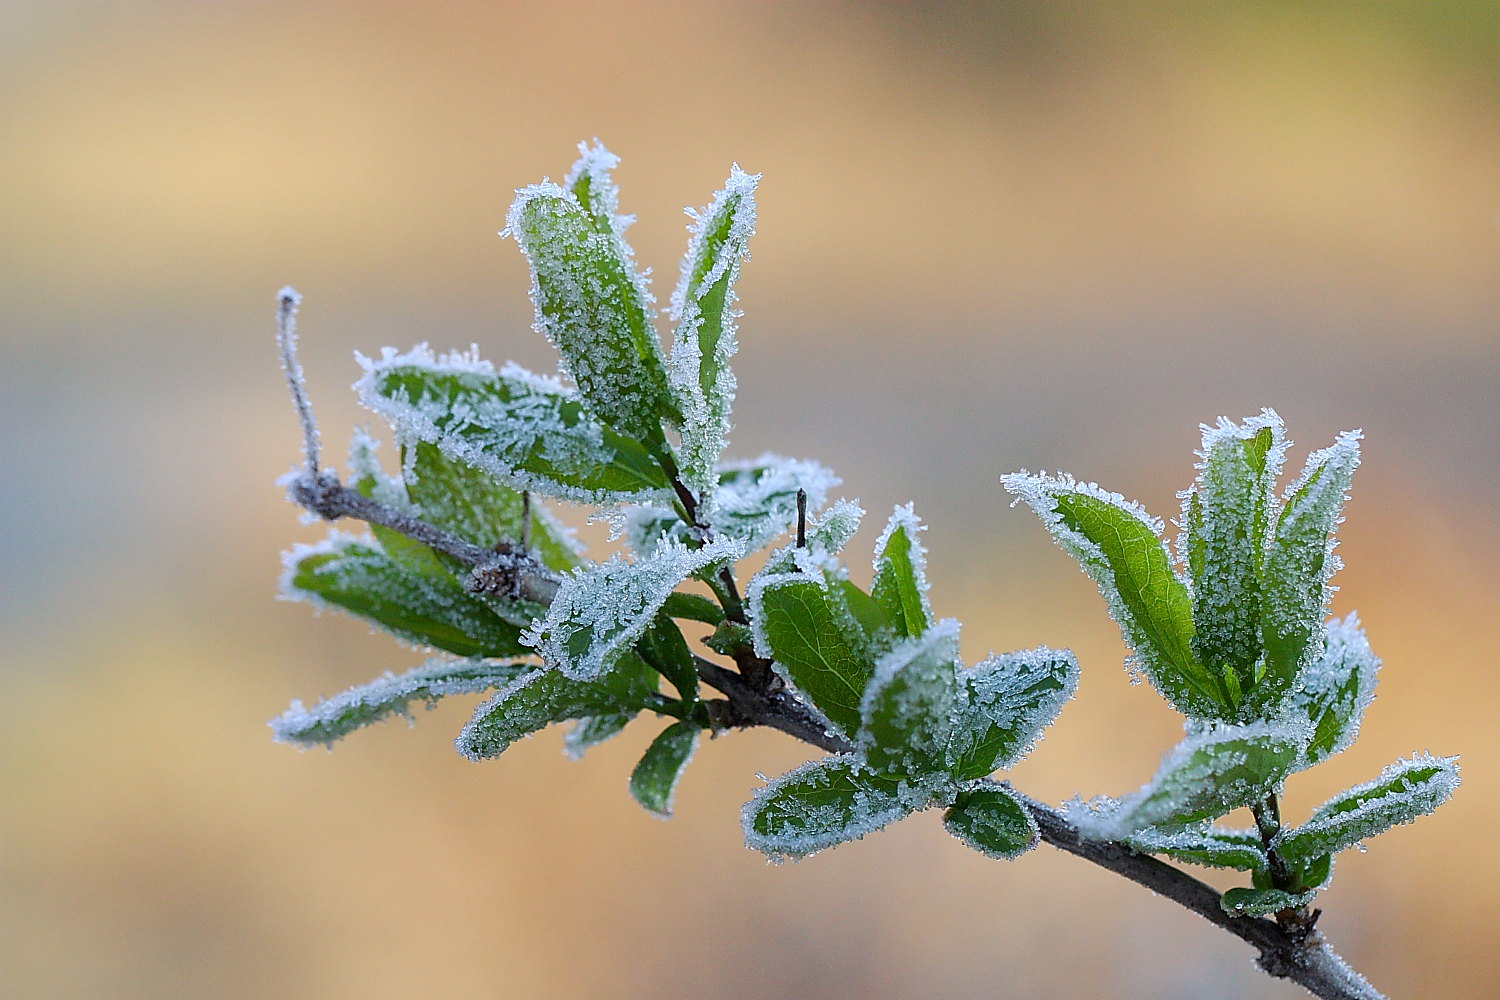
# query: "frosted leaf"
{"type": "Point", "coordinates": [907, 709]}
{"type": "Point", "coordinates": [818, 805]}
{"type": "Point", "coordinates": [815, 642]}
{"type": "Point", "coordinates": [1004, 704]}
{"type": "Point", "coordinates": [992, 820]}
{"type": "Point", "coordinates": [647, 528]}
{"type": "Point", "coordinates": [474, 506]}
{"type": "Point", "coordinates": [601, 610]}
{"type": "Point", "coordinates": [592, 730]}
{"type": "Point", "coordinates": [1336, 688]}
{"type": "Point", "coordinates": [332, 719]}
{"type": "Point", "coordinates": [703, 310]}
{"type": "Point", "coordinates": [827, 534]}
{"type": "Point", "coordinates": [1204, 845]}
{"type": "Point", "coordinates": [655, 776]}
{"type": "Point", "coordinates": [900, 585]}
{"type": "Point", "coordinates": [757, 501]}
{"type": "Point", "coordinates": [523, 429]}
{"type": "Point", "coordinates": [1203, 777]}
{"type": "Point", "coordinates": [591, 185]}
{"type": "Point", "coordinates": [544, 696]}
{"type": "Point", "coordinates": [1226, 521]}
{"type": "Point", "coordinates": [1294, 586]}
{"type": "Point", "coordinates": [1118, 545]}
{"type": "Point", "coordinates": [592, 304]}
{"type": "Point", "coordinates": [1245, 902]}
{"type": "Point", "coordinates": [427, 609]}
{"type": "Point", "coordinates": [1405, 790]}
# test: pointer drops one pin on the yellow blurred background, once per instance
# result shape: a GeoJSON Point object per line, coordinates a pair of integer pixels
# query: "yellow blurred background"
{"type": "Point", "coordinates": [992, 236]}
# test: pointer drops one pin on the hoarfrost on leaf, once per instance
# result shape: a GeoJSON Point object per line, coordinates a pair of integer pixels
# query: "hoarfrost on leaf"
{"type": "Point", "coordinates": [1203, 844]}
{"type": "Point", "coordinates": [827, 534]}
{"type": "Point", "coordinates": [591, 730]}
{"type": "Point", "coordinates": [1119, 546]}
{"type": "Point", "coordinates": [1403, 791]}
{"type": "Point", "coordinates": [1226, 520]}
{"type": "Point", "coordinates": [703, 310]}
{"type": "Point", "coordinates": [1203, 777]}
{"type": "Point", "coordinates": [756, 501]}
{"type": "Point", "coordinates": [907, 708]}
{"type": "Point", "coordinates": [523, 429]}
{"type": "Point", "coordinates": [654, 779]}
{"type": "Point", "coordinates": [818, 805]}
{"type": "Point", "coordinates": [1245, 902]}
{"type": "Point", "coordinates": [1336, 688]}
{"type": "Point", "coordinates": [334, 718]}
{"type": "Point", "coordinates": [1004, 704]}
{"type": "Point", "coordinates": [900, 584]}
{"type": "Point", "coordinates": [1298, 564]}
{"type": "Point", "coordinates": [992, 820]}
{"type": "Point", "coordinates": [591, 303]}
{"type": "Point", "coordinates": [601, 610]}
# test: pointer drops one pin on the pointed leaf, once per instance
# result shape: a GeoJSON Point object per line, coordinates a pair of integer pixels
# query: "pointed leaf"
{"type": "Point", "coordinates": [815, 642]}
{"type": "Point", "coordinates": [655, 777]}
{"type": "Point", "coordinates": [1226, 527]}
{"type": "Point", "coordinates": [601, 610]}
{"type": "Point", "coordinates": [993, 821]}
{"type": "Point", "coordinates": [1004, 704]}
{"type": "Point", "coordinates": [1118, 544]}
{"type": "Point", "coordinates": [590, 301]}
{"type": "Point", "coordinates": [900, 585]}
{"type": "Point", "coordinates": [1405, 790]}
{"type": "Point", "coordinates": [820, 804]}
{"type": "Point", "coordinates": [1245, 902]}
{"type": "Point", "coordinates": [1294, 577]}
{"type": "Point", "coordinates": [520, 428]}
{"type": "Point", "coordinates": [426, 609]}
{"type": "Point", "coordinates": [334, 718]}
{"type": "Point", "coordinates": [1203, 777]}
{"type": "Point", "coordinates": [1336, 688]}
{"type": "Point", "coordinates": [544, 696]}
{"type": "Point", "coordinates": [1204, 845]}
{"type": "Point", "coordinates": [703, 309]}
{"type": "Point", "coordinates": [907, 708]}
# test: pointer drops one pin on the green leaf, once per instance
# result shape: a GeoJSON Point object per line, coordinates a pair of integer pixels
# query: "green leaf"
{"type": "Point", "coordinates": [1204, 845]}
{"type": "Point", "coordinates": [1118, 545]}
{"type": "Point", "coordinates": [655, 775]}
{"type": "Point", "coordinates": [544, 696]}
{"type": "Point", "coordinates": [591, 730]}
{"type": "Point", "coordinates": [1226, 525]}
{"type": "Point", "coordinates": [590, 301]}
{"type": "Point", "coordinates": [336, 717]}
{"type": "Point", "coordinates": [692, 607]}
{"type": "Point", "coordinates": [815, 642]}
{"type": "Point", "coordinates": [1336, 688]}
{"type": "Point", "coordinates": [1203, 777]}
{"type": "Point", "coordinates": [993, 821]}
{"type": "Point", "coordinates": [523, 429]}
{"type": "Point", "coordinates": [1315, 873]}
{"type": "Point", "coordinates": [426, 609]}
{"type": "Point", "coordinates": [601, 610]}
{"type": "Point", "coordinates": [900, 586]}
{"type": "Point", "coordinates": [1294, 575]}
{"type": "Point", "coordinates": [476, 507]}
{"type": "Point", "coordinates": [907, 708]}
{"type": "Point", "coordinates": [703, 309]}
{"type": "Point", "coordinates": [820, 804]}
{"type": "Point", "coordinates": [1004, 704]}
{"type": "Point", "coordinates": [1405, 790]}
{"type": "Point", "coordinates": [666, 651]}
{"type": "Point", "coordinates": [1243, 902]}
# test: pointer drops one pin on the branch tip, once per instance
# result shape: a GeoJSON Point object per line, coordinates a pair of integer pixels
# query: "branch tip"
{"type": "Point", "coordinates": [287, 301]}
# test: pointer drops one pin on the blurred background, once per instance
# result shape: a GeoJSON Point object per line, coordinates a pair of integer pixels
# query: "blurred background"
{"type": "Point", "coordinates": [992, 236]}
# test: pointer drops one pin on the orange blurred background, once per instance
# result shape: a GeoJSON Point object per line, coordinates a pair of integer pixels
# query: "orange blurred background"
{"type": "Point", "coordinates": [992, 236]}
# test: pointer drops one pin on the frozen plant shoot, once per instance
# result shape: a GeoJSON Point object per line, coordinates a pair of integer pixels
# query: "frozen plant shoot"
{"type": "Point", "coordinates": [468, 556]}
